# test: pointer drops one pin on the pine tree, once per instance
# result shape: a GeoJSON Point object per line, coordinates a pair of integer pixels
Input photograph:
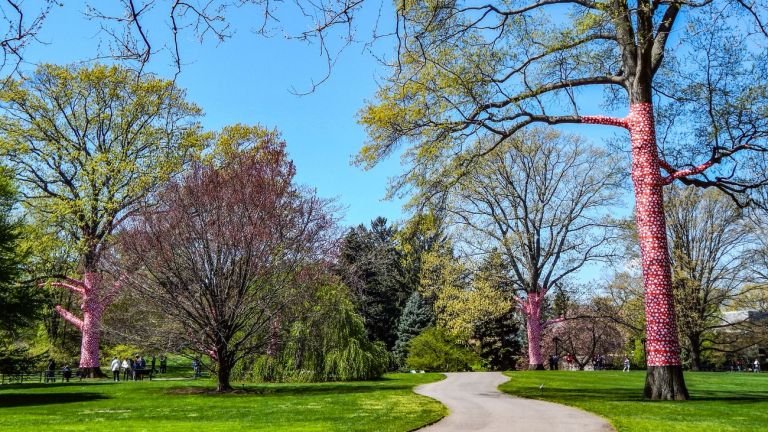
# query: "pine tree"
{"type": "Point", "coordinates": [417, 316]}
{"type": "Point", "coordinates": [18, 303]}
{"type": "Point", "coordinates": [498, 342]}
{"type": "Point", "coordinates": [370, 264]}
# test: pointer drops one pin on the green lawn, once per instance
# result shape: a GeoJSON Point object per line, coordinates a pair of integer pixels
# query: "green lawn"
{"type": "Point", "coordinates": [384, 405]}
{"type": "Point", "coordinates": [720, 401]}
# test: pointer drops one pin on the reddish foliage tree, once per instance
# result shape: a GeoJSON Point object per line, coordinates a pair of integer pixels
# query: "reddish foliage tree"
{"type": "Point", "coordinates": [585, 335]}
{"type": "Point", "coordinates": [226, 249]}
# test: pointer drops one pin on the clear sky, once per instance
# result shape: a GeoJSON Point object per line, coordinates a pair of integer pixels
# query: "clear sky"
{"type": "Point", "coordinates": [248, 78]}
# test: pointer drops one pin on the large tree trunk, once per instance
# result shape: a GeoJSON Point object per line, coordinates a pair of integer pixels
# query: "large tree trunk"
{"type": "Point", "coordinates": [93, 303]}
{"type": "Point", "coordinates": [664, 379]}
{"type": "Point", "coordinates": [533, 327]}
{"type": "Point", "coordinates": [695, 349]}
{"type": "Point", "coordinates": [89, 347]}
{"type": "Point", "coordinates": [224, 370]}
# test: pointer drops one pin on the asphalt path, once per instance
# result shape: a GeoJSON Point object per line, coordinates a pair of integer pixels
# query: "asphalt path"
{"type": "Point", "coordinates": [476, 404]}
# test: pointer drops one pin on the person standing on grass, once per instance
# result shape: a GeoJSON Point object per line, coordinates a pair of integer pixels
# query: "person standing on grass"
{"type": "Point", "coordinates": [115, 367]}
{"type": "Point", "coordinates": [152, 365]}
{"type": "Point", "coordinates": [756, 369]}
{"type": "Point", "coordinates": [626, 364]}
{"type": "Point", "coordinates": [125, 366]}
{"type": "Point", "coordinates": [163, 363]}
{"type": "Point", "coordinates": [66, 373]}
{"type": "Point", "coordinates": [50, 374]}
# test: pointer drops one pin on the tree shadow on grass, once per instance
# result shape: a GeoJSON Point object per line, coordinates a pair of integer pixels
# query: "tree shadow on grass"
{"type": "Point", "coordinates": [636, 395]}
{"type": "Point", "coordinates": [30, 399]}
{"type": "Point", "coordinates": [295, 389]}
{"type": "Point", "coordinates": [27, 386]}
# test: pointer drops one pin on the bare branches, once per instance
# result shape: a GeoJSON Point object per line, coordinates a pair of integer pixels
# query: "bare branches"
{"type": "Point", "coordinates": [718, 156]}
{"type": "Point", "coordinates": [23, 23]}
{"type": "Point", "coordinates": [227, 249]}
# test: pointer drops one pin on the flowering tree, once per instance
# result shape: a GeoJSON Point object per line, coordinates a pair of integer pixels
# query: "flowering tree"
{"type": "Point", "coordinates": [227, 248]}
{"type": "Point", "coordinates": [585, 334]}
{"type": "Point", "coordinates": [539, 199]}
{"type": "Point", "coordinates": [87, 144]}
{"type": "Point", "coordinates": [470, 75]}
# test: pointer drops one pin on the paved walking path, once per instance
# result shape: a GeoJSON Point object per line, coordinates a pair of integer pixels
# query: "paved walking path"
{"type": "Point", "coordinates": [476, 404]}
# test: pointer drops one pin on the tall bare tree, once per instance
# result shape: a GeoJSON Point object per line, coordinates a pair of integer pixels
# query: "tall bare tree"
{"type": "Point", "coordinates": [541, 200]}
{"type": "Point", "coordinates": [708, 239]}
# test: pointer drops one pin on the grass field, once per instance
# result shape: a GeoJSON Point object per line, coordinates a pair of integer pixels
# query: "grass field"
{"type": "Point", "coordinates": [720, 401]}
{"type": "Point", "coordinates": [384, 405]}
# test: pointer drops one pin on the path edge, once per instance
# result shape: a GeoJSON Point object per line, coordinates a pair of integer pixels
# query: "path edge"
{"type": "Point", "coordinates": [613, 426]}
{"type": "Point", "coordinates": [447, 411]}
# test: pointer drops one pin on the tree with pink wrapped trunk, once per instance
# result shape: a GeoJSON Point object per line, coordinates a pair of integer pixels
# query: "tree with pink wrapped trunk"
{"type": "Point", "coordinates": [686, 78]}
{"type": "Point", "coordinates": [540, 200]}
{"type": "Point", "coordinates": [87, 145]}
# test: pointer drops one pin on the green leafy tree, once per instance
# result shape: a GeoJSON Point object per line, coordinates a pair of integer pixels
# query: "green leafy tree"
{"type": "Point", "coordinates": [498, 342]}
{"type": "Point", "coordinates": [18, 304]}
{"type": "Point", "coordinates": [436, 350]}
{"type": "Point", "coordinates": [87, 145]}
{"type": "Point", "coordinates": [327, 342]}
{"type": "Point", "coordinates": [468, 76]}
{"type": "Point", "coordinates": [417, 316]}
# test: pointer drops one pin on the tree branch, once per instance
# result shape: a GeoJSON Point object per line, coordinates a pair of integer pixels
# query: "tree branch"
{"type": "Point", "coordinates": [70, 317]}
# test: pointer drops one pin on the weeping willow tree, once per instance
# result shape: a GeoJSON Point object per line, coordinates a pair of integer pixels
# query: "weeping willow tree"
{"type": "Point", "coordinates": [329, 343]}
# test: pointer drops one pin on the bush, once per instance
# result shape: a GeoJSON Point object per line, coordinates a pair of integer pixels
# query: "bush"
{"type": "Point", "coordinates": [435, 350]}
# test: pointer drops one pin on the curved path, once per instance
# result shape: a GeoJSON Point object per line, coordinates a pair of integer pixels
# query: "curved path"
{"type": "Point", "coordinates": [476, 404]}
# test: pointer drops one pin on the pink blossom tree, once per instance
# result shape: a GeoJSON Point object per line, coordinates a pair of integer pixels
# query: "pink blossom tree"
{"type": "Point", "coordinates": [87, 145]}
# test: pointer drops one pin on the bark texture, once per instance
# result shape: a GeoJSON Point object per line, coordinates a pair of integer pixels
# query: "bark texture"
{"type": "Point", "coordinates": [665, 383]}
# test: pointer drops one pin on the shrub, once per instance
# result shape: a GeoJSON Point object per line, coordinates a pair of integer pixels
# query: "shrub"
{"type": "Point", "coordinates": [435, 350]}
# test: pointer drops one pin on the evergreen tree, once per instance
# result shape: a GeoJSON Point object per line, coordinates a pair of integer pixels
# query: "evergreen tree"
{"type": "Point", "coordinates": [18, 303]}
{"type": "Point", "coordinates": [370, 264]}
{"type": "Point", "coordinates": [417, 316]}
{"type": "Point", "coordinates": [498, 342]}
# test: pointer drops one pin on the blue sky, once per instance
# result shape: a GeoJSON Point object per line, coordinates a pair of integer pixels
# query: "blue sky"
{"type": "Point", "coordinates": [248, 78]}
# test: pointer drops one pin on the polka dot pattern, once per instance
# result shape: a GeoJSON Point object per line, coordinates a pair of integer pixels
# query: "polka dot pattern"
{"type": "Point", "coordinates": [92, 305]}
{"type": "Point", "coordinates": [662, 345]}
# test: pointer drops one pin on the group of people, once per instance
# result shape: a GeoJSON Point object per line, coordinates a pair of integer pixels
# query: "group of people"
{"type": "Point", "coordinates": [134, 368]}
{"type": "Point", "coordinates": [598, 362]}
{"type": "Point", "coordinates": [50, 373]}
{"type": "Point", "coordinates": [738, 366]}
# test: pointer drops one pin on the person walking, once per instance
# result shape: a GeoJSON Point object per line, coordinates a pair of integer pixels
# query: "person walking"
{"type": "Point", "coordinates": [163, 363]}
{"type": "Point", "coordinates": [50, 374]}
{"type": "Point", "coordinates": [756, 367]}
{"type": "Point", "coordinates": [152, 365]}
{"type": "Point", "coordinates": [626, 364]}
{"type": "Point", "coordinates": [115, 367]}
